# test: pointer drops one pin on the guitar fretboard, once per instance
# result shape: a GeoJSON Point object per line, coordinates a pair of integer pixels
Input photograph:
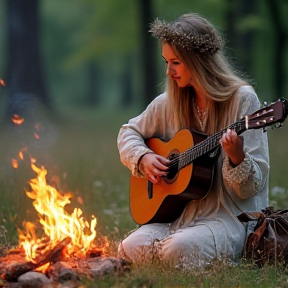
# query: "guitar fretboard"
{"type": "Point", "coordinates": [204, 147]}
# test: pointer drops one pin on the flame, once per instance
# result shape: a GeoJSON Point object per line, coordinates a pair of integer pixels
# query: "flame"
{"type": "Point", "coordinates": [57, 223]}
{"type": "Point", "coordinates": [16, 119]}
{"type": "Point", "coordinates": [2, 83]}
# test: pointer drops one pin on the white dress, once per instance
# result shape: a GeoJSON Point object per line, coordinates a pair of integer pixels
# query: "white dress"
{"type": "Point", "coordinates": [208, 228]}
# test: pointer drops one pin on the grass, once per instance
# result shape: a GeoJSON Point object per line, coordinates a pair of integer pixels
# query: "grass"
{"type": "Point", "coordinates": [78, 149]}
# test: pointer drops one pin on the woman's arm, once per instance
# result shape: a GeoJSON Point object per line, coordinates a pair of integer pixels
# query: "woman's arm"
{"type": "Point", "coordinates": [131, 138]}
{"type": "Point", "coordinates": [247, 178]}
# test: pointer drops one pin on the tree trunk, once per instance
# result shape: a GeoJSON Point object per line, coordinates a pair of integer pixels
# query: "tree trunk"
{"type": "Point", "coordinates": [230, 26]}
{"type": "Point", "coordinates": [240, 42]}
{"type": "Point", "coordinates": [148, 52]}
{"type": "Point", "coordinates": [246, 37]}
{"type": "Point", "coordinates": [25, 80]}
{"type": "Point", "coordinates": [279, 47]}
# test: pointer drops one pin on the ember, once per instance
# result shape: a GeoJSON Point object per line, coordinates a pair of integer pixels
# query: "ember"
{"type": "Point", "coordinates": [2, 83]}
{"type": "Point", "coordinates": [16, 119]}
{"type": "Point", "coordinates": [15, 163]}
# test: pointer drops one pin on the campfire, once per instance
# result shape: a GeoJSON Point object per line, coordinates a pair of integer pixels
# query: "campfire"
{"type": "Point", "coordinates": [68, 246]}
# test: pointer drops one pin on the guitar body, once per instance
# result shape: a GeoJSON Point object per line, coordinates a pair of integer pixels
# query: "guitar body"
{"type": "Point", "coordinates": [170, 197]}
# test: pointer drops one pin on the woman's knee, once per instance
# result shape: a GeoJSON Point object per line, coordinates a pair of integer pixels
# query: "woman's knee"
{"type": "Point", "coordinates": [180, 248]}
{"type": "Point", "coordinates": [138, 246]}
{"type": "Point", "coordinates": [176, 244]}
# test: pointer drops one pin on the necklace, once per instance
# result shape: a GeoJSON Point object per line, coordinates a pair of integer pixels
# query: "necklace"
{"type": "Point", "coordinates": [201, 116]}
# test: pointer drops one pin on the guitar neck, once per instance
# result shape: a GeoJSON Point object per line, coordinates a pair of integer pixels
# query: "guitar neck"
{"type": "Point", "coordinates": [208, 144]}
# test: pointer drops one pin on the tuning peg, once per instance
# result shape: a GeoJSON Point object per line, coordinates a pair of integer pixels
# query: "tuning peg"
{"type": "Point", "coordinates": [264, 129]}
{"type": "Point", "coordinates": [265, 104]}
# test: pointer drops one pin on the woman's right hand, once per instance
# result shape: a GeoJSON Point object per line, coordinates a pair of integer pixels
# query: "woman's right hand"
{"type": "Point", "coordinates": [153, 166]}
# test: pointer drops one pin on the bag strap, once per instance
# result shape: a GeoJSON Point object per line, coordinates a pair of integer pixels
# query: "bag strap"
{"type": "Point", "coordinates": [250, 216]}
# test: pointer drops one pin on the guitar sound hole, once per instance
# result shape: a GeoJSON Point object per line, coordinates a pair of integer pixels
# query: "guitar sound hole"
{"type": "Point", "coordinates": [171, 175]}
{"type": "Point", "coordinates": [173, 170]}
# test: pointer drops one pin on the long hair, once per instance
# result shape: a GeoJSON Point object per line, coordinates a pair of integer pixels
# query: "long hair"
{"type": "Point", "coordinates": [217, 79]}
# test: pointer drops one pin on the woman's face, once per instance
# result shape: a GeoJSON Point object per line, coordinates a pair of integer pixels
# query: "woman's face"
{"type": "Point", "coordinates": [175, 68]}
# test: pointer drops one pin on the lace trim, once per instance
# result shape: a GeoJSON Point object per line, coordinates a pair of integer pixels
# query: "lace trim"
{"type": "Point", "coordinates": [201, 116]}
{"type": "Point", "coordinates": [240, 174]}
{"type": "Point", "coordinates": [133, 158]}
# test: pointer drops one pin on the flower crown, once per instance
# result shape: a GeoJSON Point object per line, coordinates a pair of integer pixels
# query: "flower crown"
{"type": "Point", "coordinates": [199, 43]}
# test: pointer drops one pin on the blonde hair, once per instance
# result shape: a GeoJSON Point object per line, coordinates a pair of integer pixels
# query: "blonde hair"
{"type": "Point", "coordinates": [211, 72]}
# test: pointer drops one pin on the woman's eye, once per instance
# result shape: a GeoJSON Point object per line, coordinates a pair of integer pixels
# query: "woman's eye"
{"type": "Point", "coordinates": [176, 62]}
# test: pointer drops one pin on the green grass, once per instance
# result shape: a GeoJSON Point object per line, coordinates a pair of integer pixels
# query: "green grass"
{"type": "Point", "coordinates": [78, 149]}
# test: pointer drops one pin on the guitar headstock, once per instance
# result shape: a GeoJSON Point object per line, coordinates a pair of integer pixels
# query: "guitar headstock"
{"type": "Point", "coordinates": [272, 114]}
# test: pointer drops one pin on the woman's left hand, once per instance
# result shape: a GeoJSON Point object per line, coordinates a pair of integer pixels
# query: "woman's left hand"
{"type": "Point", "coordinates": [232, 144]}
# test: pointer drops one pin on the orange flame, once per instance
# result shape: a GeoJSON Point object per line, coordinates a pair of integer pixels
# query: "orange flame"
{"type": "Point", "coordinates": [57, 223]}
{"type": "Point", "coordinates": [16, 119]}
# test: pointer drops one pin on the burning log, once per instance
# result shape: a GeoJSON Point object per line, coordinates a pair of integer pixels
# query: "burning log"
{"type": "Point", "coordinates": [15, 269]}
{"type": "Point", "coordinates": [55, 254]}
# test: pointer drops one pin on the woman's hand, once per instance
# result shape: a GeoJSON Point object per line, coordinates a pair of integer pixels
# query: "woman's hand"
{"type": "Point", "coordinates": [232, 144]}
{"type": "Point", "coordinates": [153, 166]}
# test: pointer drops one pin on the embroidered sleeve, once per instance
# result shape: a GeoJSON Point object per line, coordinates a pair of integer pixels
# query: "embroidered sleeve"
{"type": "Point", "coordinates": [131, 160]}
{"type": "Point", "coordinates": [250, 176]}
{"type": "Point", "coordinates": [241, 178]}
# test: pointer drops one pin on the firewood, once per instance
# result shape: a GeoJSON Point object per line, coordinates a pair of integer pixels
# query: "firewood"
{"type": "Point", "coordinates": [15, 269]}
{"type": "Point", "coordinates": [53, 255]}
{"type": "Point", "coordinates": [94, 252]}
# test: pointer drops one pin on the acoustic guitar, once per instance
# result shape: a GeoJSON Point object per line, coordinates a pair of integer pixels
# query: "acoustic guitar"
{"type": "Point", "coordinates": [192, 157]}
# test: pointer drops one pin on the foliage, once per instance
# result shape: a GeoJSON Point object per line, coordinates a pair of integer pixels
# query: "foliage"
{"type": "Point", "coordinates": [75, 34]}
{"type": "Point", "coordinates": [218, 275]}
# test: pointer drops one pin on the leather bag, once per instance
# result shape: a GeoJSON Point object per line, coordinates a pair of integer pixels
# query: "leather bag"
{"type": "Point", "coordinates": [268, 243]}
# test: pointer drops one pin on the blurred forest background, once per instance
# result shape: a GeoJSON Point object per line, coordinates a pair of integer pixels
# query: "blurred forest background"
{"type": "Point", "coordinates": [82, 68]}
{"type": "Point", "coordinates": [94, 53]}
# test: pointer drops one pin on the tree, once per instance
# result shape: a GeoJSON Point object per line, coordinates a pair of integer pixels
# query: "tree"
{"type": "Point", "coordinates": [240, 32]}
{"type": "Point", "coordinates": [25, 79]}
{"type": "Point", "coordinates": [280, 36]}
{"type": "Point", "coordinates": [148, 53]}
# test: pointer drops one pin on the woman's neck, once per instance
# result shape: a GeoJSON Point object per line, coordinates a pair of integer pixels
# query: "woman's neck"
{"type": "Point", "coordinates": [200, 101]}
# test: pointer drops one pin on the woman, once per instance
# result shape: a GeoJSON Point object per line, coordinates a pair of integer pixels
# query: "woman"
{"type": "Point", "coordinates": [203, 93]}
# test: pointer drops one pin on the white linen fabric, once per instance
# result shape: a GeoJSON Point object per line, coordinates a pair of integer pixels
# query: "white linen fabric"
{"type": "Point", "coordinates": [208, 228]}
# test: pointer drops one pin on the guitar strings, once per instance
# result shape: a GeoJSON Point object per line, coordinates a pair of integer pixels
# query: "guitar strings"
{"type": "Point", "coordinates": [198, 148]}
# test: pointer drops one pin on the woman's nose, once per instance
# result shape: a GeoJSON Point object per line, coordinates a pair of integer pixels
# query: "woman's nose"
{"type": "Point", "coordinates": [168, 69]}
